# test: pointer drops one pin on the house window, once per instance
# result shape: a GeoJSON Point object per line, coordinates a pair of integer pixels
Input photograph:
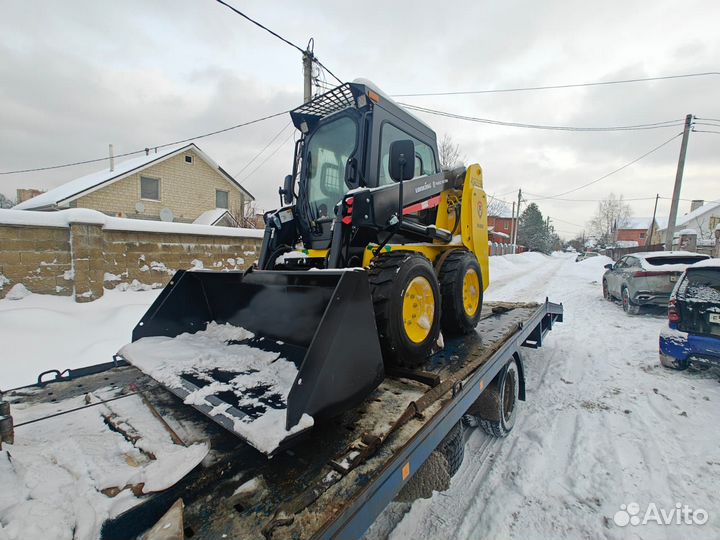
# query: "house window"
{"type": "Point", "coordinates": [150, 188]}
{"type": "Point", "coordinates": [189, 159]}
{"type": "Point", "coordinates": [221, 199]}
{"type": "Point", "coordinates": [506, 225]}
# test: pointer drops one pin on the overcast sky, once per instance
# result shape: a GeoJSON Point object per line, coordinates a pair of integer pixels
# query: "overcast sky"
{"type": "Point", "coordinates": [75, 76]}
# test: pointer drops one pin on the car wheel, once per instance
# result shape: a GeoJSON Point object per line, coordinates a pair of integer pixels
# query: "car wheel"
{"type": "Point", "coordinates": [673, 363]}
{"type": "Point", "coordinates": [606, 292]}
{"type": "Point", "coordinates": [628, 306]}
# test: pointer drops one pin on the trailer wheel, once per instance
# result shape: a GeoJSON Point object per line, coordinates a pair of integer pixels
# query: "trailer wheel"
{"type": "Point", "coordinates": [461, 287]}
{"type": "Point", "coordinates": [406, 298]}
{"type": "Point", "coordinates": [496, 408]}
{"type": "Point", "coordinates": [453, 447]}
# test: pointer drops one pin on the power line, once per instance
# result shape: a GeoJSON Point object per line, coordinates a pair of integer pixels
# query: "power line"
{"type": "Point", "coordinates": [256, 23]}
{"type": "Point", "coordinates": [634, 127]}
{"type": "Point", "coordinates": [278, 36]}
{"type": "Point", "coordinates": [144, 150]}
{"type": "Point", "coordinates": [263, 149]}
{"type": "Point", "coordinates": [705, 131]}
{"type": "Point", "coordinates": [271, 154]}
{"type": "Point", "coordinates": [655, 149]}
{"type": "Point", "coordinates": [558, 86]}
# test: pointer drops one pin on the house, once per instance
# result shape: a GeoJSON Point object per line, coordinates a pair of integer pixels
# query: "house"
{"type": "Point", "coordinates": [180, 183]}
{"type": "Point", "coordinates": [500, 221]}
{"type": "Point", "coordinates": [703, 218]}
{"type": "Point", "coordinates": [634, 230]}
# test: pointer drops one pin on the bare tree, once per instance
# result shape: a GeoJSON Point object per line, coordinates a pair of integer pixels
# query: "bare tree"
{"type": "Point", "coordinates": [613, 213]}
{"type": "Point", "coordinates": [6, 202]}
{"type": "Point", "coordinates": [498, 208]}
{"type": "Point", "coordinates": [450, 153]}
{"type": "Point", "coordinates": [247, 215]}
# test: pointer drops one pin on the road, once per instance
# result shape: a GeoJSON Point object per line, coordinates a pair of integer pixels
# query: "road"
{"type": "Point", "coordinates": [603, 426]}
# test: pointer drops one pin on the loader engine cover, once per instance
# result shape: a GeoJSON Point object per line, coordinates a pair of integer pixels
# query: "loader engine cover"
{"type": "Point", "coordinates": [264, 353]}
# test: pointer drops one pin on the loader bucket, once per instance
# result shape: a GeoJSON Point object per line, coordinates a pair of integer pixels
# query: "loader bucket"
{"type": "Point", "coordinates": [321, 321]}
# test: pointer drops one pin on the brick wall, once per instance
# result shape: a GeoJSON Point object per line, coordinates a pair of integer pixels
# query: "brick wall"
{"type": "Point", "coordinates": [84, 259]}
{"type": "Point", "coordinates": [186, 189]}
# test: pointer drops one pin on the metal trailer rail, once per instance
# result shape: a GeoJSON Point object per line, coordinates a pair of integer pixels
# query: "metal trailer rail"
{"type": "Point", "coordinates": [349, 506]}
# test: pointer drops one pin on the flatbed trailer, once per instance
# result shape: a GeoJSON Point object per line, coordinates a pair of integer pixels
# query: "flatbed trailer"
{"type": "Point", "coordinates": [339, 479]}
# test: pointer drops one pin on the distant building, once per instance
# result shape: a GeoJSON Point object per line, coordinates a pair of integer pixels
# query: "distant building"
{"type": "Point", "coordinates": [27, 194]}
{"type": "Point", "coordinates": [500, 222]}
{"type": "Point", "coordinates": [634, 230]}
{"type": "Point", "coordinates": [175, 184]}
{"type": "Point", "coordinates": [703, 218]}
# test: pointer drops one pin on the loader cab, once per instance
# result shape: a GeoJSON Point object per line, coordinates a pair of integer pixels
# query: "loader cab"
{"type": "Point", "coordinates": [345, 145]}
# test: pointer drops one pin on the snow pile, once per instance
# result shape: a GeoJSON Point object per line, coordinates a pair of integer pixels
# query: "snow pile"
{"type": "Point", "coordinates": [17, 292]}
{"type": "Point", "coordinates": [254, 371]}
{"type": "Point", "coordinates": [42, 332]}
{"type": "Point", "coordinates": [63, 478]}
{"type": "Point", "coordinates": [3, 281]}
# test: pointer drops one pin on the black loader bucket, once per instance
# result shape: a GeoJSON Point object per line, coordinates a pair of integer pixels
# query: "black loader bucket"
{"type": "Point", "coordinates": [263, 353]}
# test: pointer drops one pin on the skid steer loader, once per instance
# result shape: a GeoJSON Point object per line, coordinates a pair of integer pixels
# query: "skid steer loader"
{"type": "Point", "coordinates": [374, 253]}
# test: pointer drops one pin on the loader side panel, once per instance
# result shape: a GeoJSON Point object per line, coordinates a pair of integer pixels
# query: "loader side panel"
{"type": "Point", "coordinates": [474, 220]}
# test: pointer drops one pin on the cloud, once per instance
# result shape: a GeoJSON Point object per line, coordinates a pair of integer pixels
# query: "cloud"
{"type": "Point", "coordinates": [78, 75]}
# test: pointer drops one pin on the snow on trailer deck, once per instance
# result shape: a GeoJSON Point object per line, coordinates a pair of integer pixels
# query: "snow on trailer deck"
{"type": "Point", "coordinates": [238, 492]}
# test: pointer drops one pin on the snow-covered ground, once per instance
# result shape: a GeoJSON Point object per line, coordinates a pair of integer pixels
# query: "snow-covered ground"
{"type": "Point", "coordinates": [42, 332]}
{"type": "Point", "coordinates": [603, 426]}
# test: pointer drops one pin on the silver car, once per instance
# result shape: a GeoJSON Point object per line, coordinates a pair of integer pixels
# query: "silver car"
{"type": "Point", "coordinates": [646, 279]}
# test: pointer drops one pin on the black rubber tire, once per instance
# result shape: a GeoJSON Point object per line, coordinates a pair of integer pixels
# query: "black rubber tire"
{"type": "Point", "coordinates": [673, 363]}
{"type": "Point", "coordinates": [606, 291]}
{"type": "Point", "coordinates": [389, 275]}
{"type": "Point", "coordinates": [496, 408]}
{"type": "Point", "coordinates": [454, 320]}
{"type": "Point", "coordinates": [628, 306]}
{"type": "Point", "coordinates": [453, 447]}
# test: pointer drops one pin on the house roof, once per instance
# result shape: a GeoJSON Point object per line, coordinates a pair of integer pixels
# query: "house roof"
{"type": "Point", "coordinates": [212, 217]}
{"type": "Point", "coordinates": [69, 191]}
{"type": "Point", "coordinates": [637, 224]}
{"type": "Point", "coordinates": [688, 218]}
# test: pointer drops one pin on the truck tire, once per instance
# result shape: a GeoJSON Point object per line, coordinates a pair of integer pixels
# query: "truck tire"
{"type": "Point", "coordinates": [628, 306]}
{"type": "Point", "coordinates": [406, 298]}
{"type": "Point", "coordinates": [453, 447]}
{"type": "Point", "coordinates": [461, 289]}
{"type": "Point", "coordinates": [496, 408]}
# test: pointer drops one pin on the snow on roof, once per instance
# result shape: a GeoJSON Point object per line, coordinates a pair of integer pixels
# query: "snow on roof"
{"type": "Point", "coordinates": [85, 184]}
{"type": "Point", "coordinates": [64, 218]}
{"type": "Point", "coordinates": [211, 217]}
{"type": "Point", "coordinates": [647, 254]}
{"type": "Point", "coordinates": [637, 224]}
{"type": "Point", "coordinates": [687, 218]}
{"type": "Point", "coordinates": [626, 243]}
{"type": "Point", "coordinates": [707, 263]}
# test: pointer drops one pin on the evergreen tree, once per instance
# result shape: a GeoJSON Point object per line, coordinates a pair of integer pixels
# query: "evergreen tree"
{"type": "Point", "coordinates": [532, 232]}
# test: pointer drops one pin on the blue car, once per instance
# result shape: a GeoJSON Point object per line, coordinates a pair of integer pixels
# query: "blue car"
{"type": "Point", "coordinates": [693, 332]}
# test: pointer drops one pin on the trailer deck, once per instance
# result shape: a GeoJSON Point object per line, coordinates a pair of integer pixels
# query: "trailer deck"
{"type": "Point", "coordinates": [336, 481]}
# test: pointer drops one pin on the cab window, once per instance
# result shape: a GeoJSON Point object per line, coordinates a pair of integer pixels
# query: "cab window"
{"type": "Point", "coordinates": [424, 155]}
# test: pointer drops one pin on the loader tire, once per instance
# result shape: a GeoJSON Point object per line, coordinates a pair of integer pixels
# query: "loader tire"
{"type": "Point", "coordinates": [461, 289]}
{"type": "Point", "coordinates": [406, 298]}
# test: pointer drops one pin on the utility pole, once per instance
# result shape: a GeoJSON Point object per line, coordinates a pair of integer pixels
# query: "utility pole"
{"type": "Point", "coordinates": [652, 223]}
{"type": "Point", "coordinates": [517, 219]}
{"type": "Point", "coordinates": [678, 183]}
{"type": "Point", "coordinates": [112, 158]}
{"type": "Point", "coordinates": [307, 74]}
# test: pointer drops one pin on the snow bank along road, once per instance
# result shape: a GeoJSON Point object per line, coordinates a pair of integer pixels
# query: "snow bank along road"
{"type": "Point", "coordinates": [603, 426]}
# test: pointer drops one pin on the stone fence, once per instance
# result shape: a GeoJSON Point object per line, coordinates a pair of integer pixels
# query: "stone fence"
{"type": "Point", "coordinates": [81, 253]}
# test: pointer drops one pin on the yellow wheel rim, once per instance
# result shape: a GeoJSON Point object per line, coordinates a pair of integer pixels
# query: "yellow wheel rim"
{"type": "Point", "coordinates": [418, 309]}
{"type": "Point", "coordinates": [471, 292]}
